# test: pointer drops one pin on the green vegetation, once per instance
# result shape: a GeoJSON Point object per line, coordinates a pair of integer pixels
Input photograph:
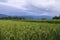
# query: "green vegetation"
{"type": "Point", "coordinates": [29, 30]}
{"type": "Point", "coordinates": [56, 17]}
{"type": "Point", "coordinates": [26, 18]}
{"type": "Point", "coordinates": [12, 17]}
{"type": "Point", "coordinates": [44, 21]}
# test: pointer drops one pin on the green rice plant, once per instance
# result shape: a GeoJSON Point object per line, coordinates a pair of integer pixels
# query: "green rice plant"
{"type": "Point", "coordinates": [23, 30]}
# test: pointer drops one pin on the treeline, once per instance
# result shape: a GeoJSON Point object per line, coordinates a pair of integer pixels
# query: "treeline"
{"type": "Point", "coordinates": [13, 17]}
{"type": "Point", "coordinates": [24, 18]}
{"type": "Point", "coordinates": [56, 17]}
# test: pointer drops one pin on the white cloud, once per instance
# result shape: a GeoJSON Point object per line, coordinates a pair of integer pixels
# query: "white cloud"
{"type": "Point", "coordinates": [15, 3]}
{"type": "Point", "coordinates": [3, 0]}
{"type": "Point", "coordinates": [50, 4]}
{"type": "Point", "coordinates": [53, 5]}
{"type": "Point", "coordinates": [43, 3]}
{"type": "Point", "coordinates": [18, 3]}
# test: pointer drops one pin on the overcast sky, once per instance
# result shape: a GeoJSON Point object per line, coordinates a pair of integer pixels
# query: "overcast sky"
{"type": "Point", "coordinates": [52, 5]}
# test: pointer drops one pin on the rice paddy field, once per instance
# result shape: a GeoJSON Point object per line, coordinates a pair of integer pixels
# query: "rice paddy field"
{"type": "Point", "coordinates": [23, 30]}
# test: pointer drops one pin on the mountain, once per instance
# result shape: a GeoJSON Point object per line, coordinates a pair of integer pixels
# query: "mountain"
{"type": "Point", "coordinates": [30, 17]}
{"type": "Point", "coordinates": [2, 15]}
{"type": "Point", "coordinates": [38, 17]}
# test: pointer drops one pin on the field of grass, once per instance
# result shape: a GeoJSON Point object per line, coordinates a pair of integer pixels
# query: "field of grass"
{"type": "Point", "coordinates": [23, 30]}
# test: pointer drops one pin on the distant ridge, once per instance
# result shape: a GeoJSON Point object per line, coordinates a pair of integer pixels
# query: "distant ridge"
{"type": "Point", "coordinates": [30, 16]}
{"type": "Point", "coordinates": [3, 15]}
{"type": "Point", "coordinates": [37, 17]}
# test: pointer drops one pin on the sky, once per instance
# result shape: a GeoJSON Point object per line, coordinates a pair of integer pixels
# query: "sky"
{"type": "Point", "coordinates": [35, 7]}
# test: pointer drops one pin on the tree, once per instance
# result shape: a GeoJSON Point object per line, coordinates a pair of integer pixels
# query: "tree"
{"type": "Point", "coordinates": [44, 19]}
{"type": "Point", "coordinates": [13, 17]}
{"type": "Point", "coordinates": [56, 17]}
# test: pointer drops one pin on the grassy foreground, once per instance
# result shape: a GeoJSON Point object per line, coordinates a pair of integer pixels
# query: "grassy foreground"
{"type": "Point", "coordinates": [21, 30]}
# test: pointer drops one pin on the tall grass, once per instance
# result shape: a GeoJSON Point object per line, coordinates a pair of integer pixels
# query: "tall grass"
{"type": "Point", "coordinates": [20, 30]}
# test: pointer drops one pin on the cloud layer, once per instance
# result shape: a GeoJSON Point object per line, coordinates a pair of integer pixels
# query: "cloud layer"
{"type": "Point", "coordinates": [3, 0]}
{"type": "Point", "coordinates": [54, 4]}
{"type": "Point", "coordinates": [42, 7]}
